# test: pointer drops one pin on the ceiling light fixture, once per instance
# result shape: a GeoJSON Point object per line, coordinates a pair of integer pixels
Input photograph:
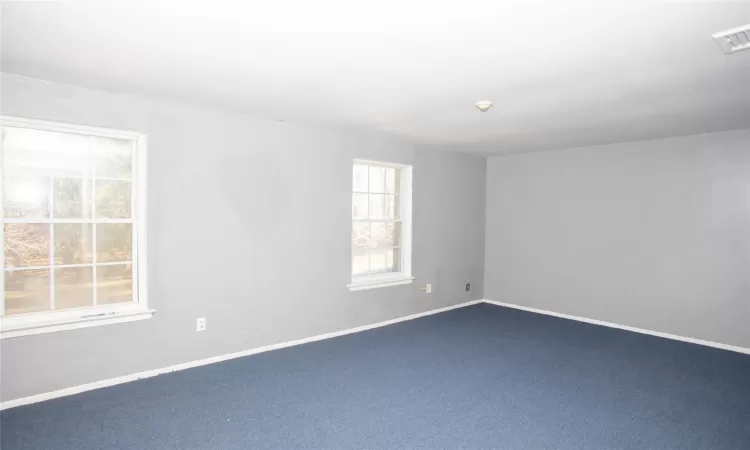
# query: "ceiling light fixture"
{"type": "Point", "coordinates": [484, 105]}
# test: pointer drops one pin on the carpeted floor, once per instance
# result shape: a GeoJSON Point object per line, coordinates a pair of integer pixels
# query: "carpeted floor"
{"type": "Point", "coordinates": [477, 377]}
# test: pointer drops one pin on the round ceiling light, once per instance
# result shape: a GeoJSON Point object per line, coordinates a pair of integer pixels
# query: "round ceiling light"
{"type": "Point", "coordinates": [484, 105]}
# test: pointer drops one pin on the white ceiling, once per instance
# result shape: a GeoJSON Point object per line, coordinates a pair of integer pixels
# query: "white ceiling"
{"type": "Point", "coordinates": [561, 73]}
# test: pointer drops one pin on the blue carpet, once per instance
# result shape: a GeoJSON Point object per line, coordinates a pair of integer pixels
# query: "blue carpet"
{"type": "Point", "coordinates": [476, 377]}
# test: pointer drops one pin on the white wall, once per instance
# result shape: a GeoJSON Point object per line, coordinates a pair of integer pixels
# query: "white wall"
{"type": "Point", "coordinates": [249, 226]}
{"type": "Point", "coordinates": [652, 234]}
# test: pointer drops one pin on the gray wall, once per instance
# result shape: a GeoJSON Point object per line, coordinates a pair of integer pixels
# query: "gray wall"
{"type": "Point", "coordinates": [652, 234]}
{"type": "Point", "coordinates": [249, 226]}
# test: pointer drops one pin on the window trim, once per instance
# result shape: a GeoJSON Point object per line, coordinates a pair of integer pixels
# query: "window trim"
{"type": "Point", "coordinates": [51, 321]}
{"type": "Point", "coordinates": [405, 193]}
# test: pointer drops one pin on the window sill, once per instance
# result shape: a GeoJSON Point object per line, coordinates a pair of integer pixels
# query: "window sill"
{"type": "Point", "coordinates": [378, 282]}
{"type": "Point", "coordinates": [72, 324]}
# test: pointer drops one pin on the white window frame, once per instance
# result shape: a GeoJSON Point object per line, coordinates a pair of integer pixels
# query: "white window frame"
{"type": "Point", "coordinates": [50, 321]}
{"type": "Point", "coordinates": [405, 193]}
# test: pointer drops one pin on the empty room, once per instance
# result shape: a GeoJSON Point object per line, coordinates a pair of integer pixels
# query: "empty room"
{"type": "Point", "coordinates": [395, 224]}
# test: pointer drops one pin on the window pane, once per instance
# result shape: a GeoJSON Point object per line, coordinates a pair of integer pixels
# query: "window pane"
{"type": "Point", "coordinates": [378, 235]}
{"type": "Point", "coordinates": [113, 199]}
{"type": "Point", "coordinates": [392, 207]}
{"type": "Point", "coordinates": [360, 234]}
{"type": "Point", "coordinates": [393, 233]}
{"type": "Point", "coordinates": [25, 196]}
{"type": "Point", "coordinates": [26, 244]}
{"type": "Point", "coordinates": [72, 198]}
{"type": "Point", "coordinates": [392, 180]}
{"type": "Point", "coordinates": [113, 242]}
{"type": "Point", "coordinates": [48, 153]}
{"type": "Point", "coordinates": [377, 179]}
{"type": "Point", "coordinates": [74, 287]}
{"type": "Point", "coordinates": [360, 262]}
{"type": "Point", "coordinates": [74, 243]}
{"type": "Point", "coordinates": [113, 157]}
{"type": "Point", "coordinates": [377, 206]}
{"type": "Point", "coordinates": [377, 262]}
{"type": "Point", "coordinates": [393, 260]}
{"type": "Point", "coordinates": [359, 206]}
{"type": "Point", "coordinates": [114, 284]}
{"type": "Point", "coordinates": [26, 291]}
{"type": "Point", "coordinates": [360, 178]}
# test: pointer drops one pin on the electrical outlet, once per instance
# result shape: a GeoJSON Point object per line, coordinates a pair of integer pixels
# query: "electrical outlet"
{"type": "Point", "coordinates": [468, 287]}
{"type": "Point", "coordinates": [200, 324]}
{"type": "Point", "coordinates": [428, 289]}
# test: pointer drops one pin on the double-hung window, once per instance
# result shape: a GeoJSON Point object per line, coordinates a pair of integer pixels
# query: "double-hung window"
{"type": "Point", "coordinates": [73, 234]}
{"type": "Point", "coordinates": [381, 225]}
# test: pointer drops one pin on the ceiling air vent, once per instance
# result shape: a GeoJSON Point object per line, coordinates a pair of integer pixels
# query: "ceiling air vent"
{"type": "Point", "coordinates": [734, 40]}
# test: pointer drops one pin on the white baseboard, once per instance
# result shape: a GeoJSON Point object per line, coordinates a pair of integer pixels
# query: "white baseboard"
{"type": "Point", "coordinates": [202, 362]}
{"type": "Point", "coordinates": [732, 348]}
